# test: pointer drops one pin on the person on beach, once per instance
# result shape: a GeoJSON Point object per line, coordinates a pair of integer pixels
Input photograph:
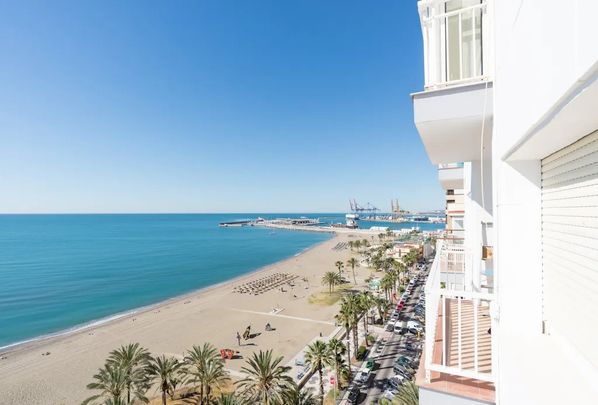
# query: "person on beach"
{"type": "Point", "coordinates": [238, 339]}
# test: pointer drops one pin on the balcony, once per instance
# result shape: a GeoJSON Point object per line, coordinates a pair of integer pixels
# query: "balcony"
{"type": "Point", "coordinates": [458, 345]}
{"type": "Point", "coordinates": [453, 114]}
{"type": "Point", "coordinates": [451, 176]}
{"type": "Point", "coordinates": [456, 39]}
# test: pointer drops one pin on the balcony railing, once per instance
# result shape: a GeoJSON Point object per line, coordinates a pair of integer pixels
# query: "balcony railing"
{"type": "Point", "coordinates": [443, 166]}
{"type": "Point", "coordinates": [456, 39]}
{"type": "Point", "coordinates": [458, 339]}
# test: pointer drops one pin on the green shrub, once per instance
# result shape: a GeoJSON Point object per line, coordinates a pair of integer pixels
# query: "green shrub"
{"type": "Point", "coordinates": [371, 339]}
{"type": "Point", "coordinates": [361, 353]}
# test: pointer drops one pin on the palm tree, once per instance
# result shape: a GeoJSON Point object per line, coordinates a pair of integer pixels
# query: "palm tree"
{"type": "Point", "coordinates": [353, 262]}
{"type": "Point", "coordinates": [394, 278]}
{"type": "Point", "coordinates": [408, 394]}
{"type": "Point", "coordinates": [111, 401]}
{"type": "Point", "coordinates": [383, 306]}
{"type": "Point", "coordinates": [331, 279]}
{"type": "Point", "coordinates": [163, 370]}
{"type": "Point", "coordinates": [339, 265]}
{"type": "Point", "coordinates": [111, 380]}
{"type": "Point", "coordinates": [351, 245]}
{"type": "Point", "coordinates": [357, 244]}
{"type": "Point", "coordinates": [389, 263]}
{"type": "Point", "coordinates": [350, 308]}
{"type": "Point", "coordinates": [265, 381]}
{"type": "Point", "coordinates": [387, 284]}
{"type": "Point", "coordinates": [299, 396]}
{"type": "Point", "coordinates": [133, 359]}
{"type": "Point", "coordinates": [230, 399]}
{"type": "Point", "coordinates": [206, 369]}
{"type": "Point", "coordinates": [214, 375]}
{"type": "Point", "coordinates": [365, 299]}
{"type": "Point", "coordinates": [344, 317]}
{"type": "Point", "coordinates": [389, 233]}
{"type": "Point", "coordinates": [377, 262]}
{"type": "Point", "coordinates": [316, 356]}
{"type": "Point", "coordinates": [337, 349]}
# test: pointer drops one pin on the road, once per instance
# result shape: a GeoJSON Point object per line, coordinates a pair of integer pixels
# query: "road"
{"type": "Point", "coordinates": [389, 355]}
{"type": "Point", "coordinates": [385, 360]}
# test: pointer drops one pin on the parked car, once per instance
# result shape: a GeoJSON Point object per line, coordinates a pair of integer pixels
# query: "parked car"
{"type": "Point", "coordinates": [405, 361]}
{"type": "Point", "coordinates": [371, 364]}
{"type": "Point", "coordinates": [353, 395]}
{"type": "Point", "coordinates": [403, 373]}
{"type": "Point", "coordinates": [363, 376]}
{"type": "Point", "coordinates": [410, 347]}
{"type": "Point", "coordinates": [390, 393]}
{"type": "Point", "coordinates": [413, 324]}
{"type": "Point", "coordinates": [396, 381]}
{"type": "Point", "coordinates": [400, 327]}
{"type": "Point", "coordinates": [405, 370]}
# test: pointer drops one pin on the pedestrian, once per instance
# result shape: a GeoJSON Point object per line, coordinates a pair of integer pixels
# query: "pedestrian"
{"type": "Point", "coordinates": [238, 339]}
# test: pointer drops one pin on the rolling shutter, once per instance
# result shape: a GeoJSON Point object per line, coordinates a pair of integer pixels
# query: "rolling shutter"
{"type": "Point", "coordinates": [570, 244]}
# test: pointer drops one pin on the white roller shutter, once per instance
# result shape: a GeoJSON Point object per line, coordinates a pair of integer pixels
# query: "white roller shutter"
{"type": "Point", "coordinates": [570, 244]}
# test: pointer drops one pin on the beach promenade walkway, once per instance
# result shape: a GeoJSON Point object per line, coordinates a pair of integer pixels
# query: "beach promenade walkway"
{"type": "Point", "coordinates": [278, 315]}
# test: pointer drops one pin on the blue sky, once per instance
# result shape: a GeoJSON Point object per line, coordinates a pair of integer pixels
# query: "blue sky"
{"type": "Point", "coordinates": [210, 106]}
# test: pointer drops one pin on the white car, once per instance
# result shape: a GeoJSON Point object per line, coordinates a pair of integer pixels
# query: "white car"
{"type": "Point", "coordinates": [399, 326]}
{"type": "Point", "coordinates": [390, 394]}
{"type": "Point", "coordinates": [363, 376]}
{"type": "Point", "coordinates": [413, 325]}
{"type": "Point", "coordinates": [396, 381]}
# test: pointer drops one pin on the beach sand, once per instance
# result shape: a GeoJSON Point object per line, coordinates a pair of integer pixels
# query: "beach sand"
{"type": "Point", "coordinates": [29, 376]}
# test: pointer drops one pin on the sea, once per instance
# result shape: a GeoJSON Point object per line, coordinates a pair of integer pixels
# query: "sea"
{"type": "Point", "coordinates": [59, 273]}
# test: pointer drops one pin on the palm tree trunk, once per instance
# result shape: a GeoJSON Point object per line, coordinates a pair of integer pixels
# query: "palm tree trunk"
{"type": "Point", "coordinates": [355, 339]}
{"type": "Point", "coordinates": [163, 397]}
{"type": "Point", "coordinates": [321, 385]}
{"type": "Point", "coordinates": [338, 375]}
{"type": "Point", "coordinates": [353, 270]}
{"type": "Point", "coordinates": [348, 353]}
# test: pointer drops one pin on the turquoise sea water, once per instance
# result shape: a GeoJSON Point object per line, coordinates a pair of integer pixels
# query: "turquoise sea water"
{"type": "Point", "coordinates": [61, 271]}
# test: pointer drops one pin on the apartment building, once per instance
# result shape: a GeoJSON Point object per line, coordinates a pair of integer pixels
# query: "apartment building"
{"type": "Point", "coordinates": [509, 113]}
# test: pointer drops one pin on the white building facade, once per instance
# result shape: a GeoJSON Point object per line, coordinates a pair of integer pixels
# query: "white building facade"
{"type": "Point", "coordinates": [511, 90]}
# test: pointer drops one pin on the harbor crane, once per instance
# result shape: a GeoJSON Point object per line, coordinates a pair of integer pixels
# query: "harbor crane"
{"type": "Point", "coordinates": [360, 209]}
{"type": "Point", "coordinates": [395, 208]}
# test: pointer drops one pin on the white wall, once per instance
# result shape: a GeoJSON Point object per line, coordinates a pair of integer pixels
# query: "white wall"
{"type": "Point", "coordinates": [431, 397]}
{"type": "Point", "coordinates": [478, 209]}
{"type": "Point", "coordinates": [542, 49]}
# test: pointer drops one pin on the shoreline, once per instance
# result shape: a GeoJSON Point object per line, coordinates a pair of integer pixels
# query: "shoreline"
{"type": "Point", "coordinates": [32, 343]}
{"type": "Point", "coordinates": [57, 369]}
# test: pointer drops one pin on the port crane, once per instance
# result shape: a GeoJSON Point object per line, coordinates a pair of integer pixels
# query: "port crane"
{"type": "Point", "coordinates": [360, 209]}
{"type": "Point", "coordinates": [395, 208]}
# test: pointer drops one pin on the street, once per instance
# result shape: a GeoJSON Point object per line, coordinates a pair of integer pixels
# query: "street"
{"type": "Point", "coordinates": [386, 358]}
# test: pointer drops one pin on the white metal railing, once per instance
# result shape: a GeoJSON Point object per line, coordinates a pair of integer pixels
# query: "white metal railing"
{"type": "Point", "coordinates": [432, 303]}
{"type": "Point", "coordinates": [456, 39]}
{"type": "Point", "coordinates": [462, 327]}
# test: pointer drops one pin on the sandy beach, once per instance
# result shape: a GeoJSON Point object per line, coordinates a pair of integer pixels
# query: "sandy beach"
{"type": "Point", "coordinates": [28, 375]}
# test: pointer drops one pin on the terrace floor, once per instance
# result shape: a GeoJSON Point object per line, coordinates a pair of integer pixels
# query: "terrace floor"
{"type": "Point", "coordinates": [452, 384]}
